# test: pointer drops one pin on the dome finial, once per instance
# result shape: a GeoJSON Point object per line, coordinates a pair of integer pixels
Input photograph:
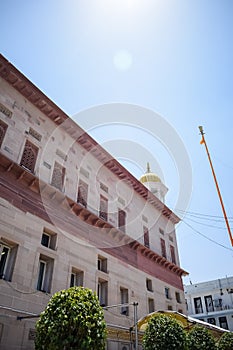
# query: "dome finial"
{"type": "Point", "coordinates": [148, 167]}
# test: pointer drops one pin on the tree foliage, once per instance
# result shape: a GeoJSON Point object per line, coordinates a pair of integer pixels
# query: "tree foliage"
{"type": "Point", "coordinates": [199, 338]}
{"type": "Point", "coordinates": [163, 333]}
{"type": "Point", "coordinates": [73, 319]}
{"type": "Point", "coordinates": [226, 341]}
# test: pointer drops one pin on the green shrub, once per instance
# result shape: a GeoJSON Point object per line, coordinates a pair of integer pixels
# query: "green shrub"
{"type": "Point", "coordinates": [164, 333]}
{"type": "Point", "coordinates": [74, 320]}
{"type": "Point", "coordinates": [226, 341]}
{"type": "Point", "coordinates": [199, 338]}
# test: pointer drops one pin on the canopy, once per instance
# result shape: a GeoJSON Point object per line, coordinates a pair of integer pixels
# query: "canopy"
{"type": "Point", "coordinates": [187, 322]}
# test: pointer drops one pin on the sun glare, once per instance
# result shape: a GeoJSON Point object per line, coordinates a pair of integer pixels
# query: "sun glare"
{"type": "Point", "coordinates": [119, 5]}
{"type": "Point", "coordinates": [122, 60]}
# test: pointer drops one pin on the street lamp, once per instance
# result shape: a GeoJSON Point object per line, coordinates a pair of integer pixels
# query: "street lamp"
{"type": "Point", "coordinates": [135, 316]}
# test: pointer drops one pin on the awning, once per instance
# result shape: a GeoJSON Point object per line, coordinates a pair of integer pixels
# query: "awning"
{"type": "Point", "coordinates": [186, 321]}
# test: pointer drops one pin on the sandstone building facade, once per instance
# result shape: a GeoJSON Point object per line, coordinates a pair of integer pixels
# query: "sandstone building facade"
{"type": "Point", "coordinates": [72, 215]}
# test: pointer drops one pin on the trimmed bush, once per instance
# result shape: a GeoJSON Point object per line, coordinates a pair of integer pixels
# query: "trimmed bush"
{"type": "Point", "coordinates": [199, 338]}
{"type": "Point", "coordinates": [164, 333]}
{"type": "Point", "coordinates": [226, 341]}
{"type": "Point", "coordinates": [73, 319]}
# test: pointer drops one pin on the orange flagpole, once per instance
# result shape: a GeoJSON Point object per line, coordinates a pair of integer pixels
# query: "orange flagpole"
{"type": "Point", "coordinates": [216, 183]}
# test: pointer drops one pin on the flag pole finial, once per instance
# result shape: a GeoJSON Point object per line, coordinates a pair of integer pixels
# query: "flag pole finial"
{"type": "Point", "coordinates": [201, 130]}
{"type": "Point", "coordinates": [148, 168]}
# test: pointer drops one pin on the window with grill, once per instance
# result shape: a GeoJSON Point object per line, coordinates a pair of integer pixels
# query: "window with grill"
{"type": "Point", "coordinates": [173, 255]}
{"type": "Point", "coordinates": [103, 187]}
{"type": "Point", "coordinates": [121, 219]}
{"type": "Point", "coordinates": [198, 305]}
{"type": "Point", "coordinates": [163, 248]}
{"type": "Point", "coordinates": [223, 322]}
{"type": "Point", "coordinates": [82, 193]}
{"type": "Point", "coordinates": [146, 237]}
{"type": "Point", "coordinates": [209, 303]}
{"type": "Point", "coordinates": [218, 304]}
{"type": "Point", "coordinates": [3, 128]}
{"type": "Point", "coordinates": [58, 176]}
{"type": "Point", "coordinates": [5, 111]}
{"type": "Point", "coordinates": [103, 212]}
{"type": "Point", "coordinates": [29, 156]}
{"type": "Point", "coordinates": [211, 320]}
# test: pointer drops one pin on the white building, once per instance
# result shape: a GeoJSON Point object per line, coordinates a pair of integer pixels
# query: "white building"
{"type": "Point", "coordinates": [211, 301]}
{"type": "Point", "coordinates": [71, 214]}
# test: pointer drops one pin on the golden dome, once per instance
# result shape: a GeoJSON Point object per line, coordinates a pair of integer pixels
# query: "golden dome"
{"type": "Point", "coordinates": [149, 176]}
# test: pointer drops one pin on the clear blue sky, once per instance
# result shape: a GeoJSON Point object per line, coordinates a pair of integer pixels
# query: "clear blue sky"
{"type": "Point", "coordinates": [174, 57]}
